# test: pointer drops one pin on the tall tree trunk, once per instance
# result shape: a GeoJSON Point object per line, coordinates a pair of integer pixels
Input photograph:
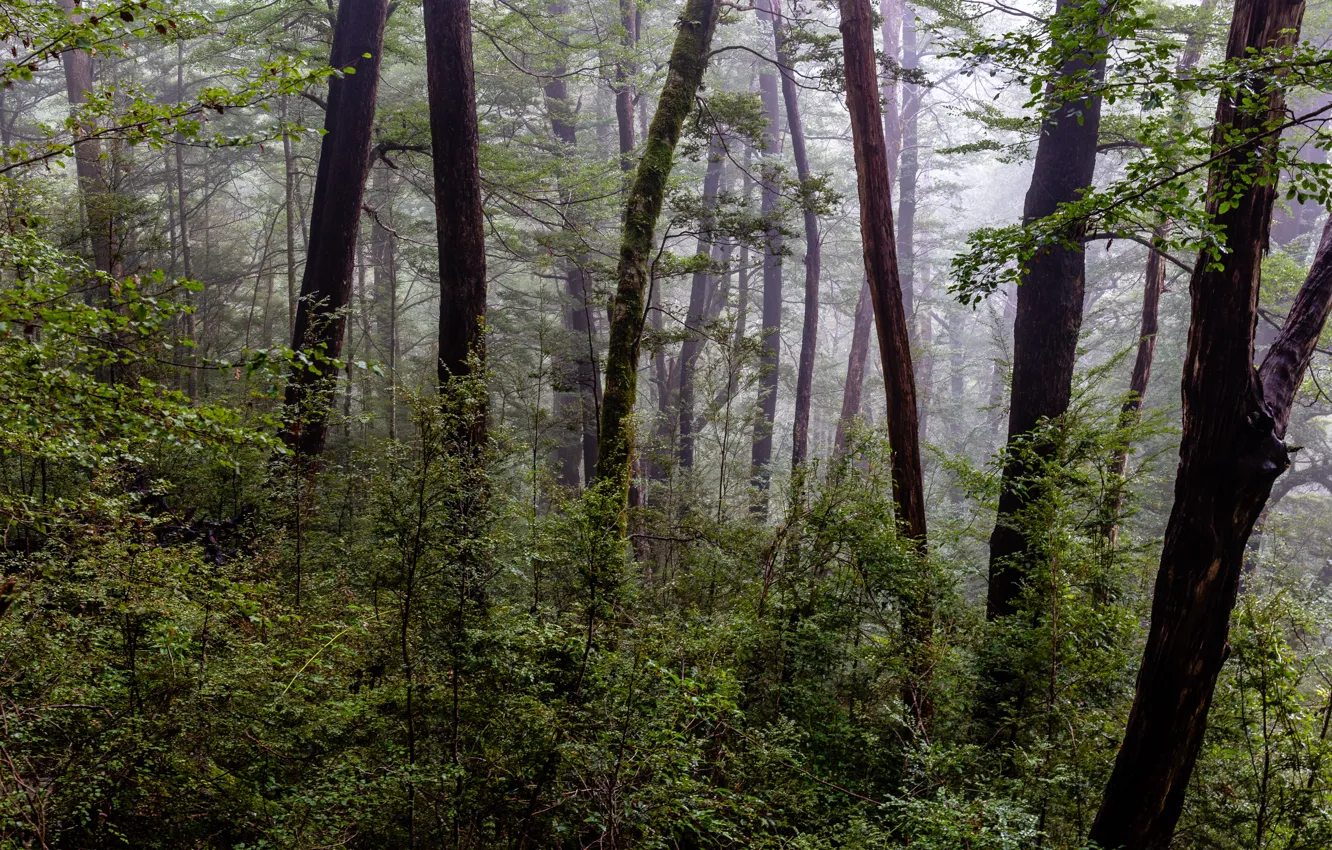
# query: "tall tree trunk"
{"type": "Point", "coordinates": [1049, 310]}
{"type": "Point", "coordinates": [384, 254]}
{"type": "Point", "coordinates": [880, 251]}
{"type": "Point", "coordinates": [94, 188]}
{"type": "Point", "coordinates": [854, 387]}
{"type": "Point", "coordinates": [624, 89]}
{"type": "Point", "coordinates": [1230, 451]}
{"type": "Point", "coordinates": [908, 178]}
{"type": "Point", "coordinates": [289, 203]}
{"type": "Point", "coordinates": [700, 294]}
{"type": "Point", "coordinates": [689, 59]}
{"type": "Point", "coordinates": [770, 359]}
{"type": "Point", "coordinates": [191, 331]}
{"type": "Point", "coordinates": [809, 335]}
{"type": "Point", "coordinates": [459, 219]}
{"type": "Point", "coordinates": [576, 454]}
{"type": "Point", "coordinates": [344, 163]}
{"type": "Point", "coordinates": [1153, 286]}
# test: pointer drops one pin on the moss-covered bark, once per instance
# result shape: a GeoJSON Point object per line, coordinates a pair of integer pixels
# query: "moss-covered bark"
{"type": "Point", "coordinates": [689, 59]}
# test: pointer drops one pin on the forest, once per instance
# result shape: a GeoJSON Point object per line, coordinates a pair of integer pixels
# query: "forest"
{"type": "Point", "coordinates": [676, 424]}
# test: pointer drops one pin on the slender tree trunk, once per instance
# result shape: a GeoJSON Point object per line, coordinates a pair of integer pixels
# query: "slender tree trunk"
{"type": "Point", "coordinates": [289, 201]}
{"type": "Point", "coordinates": [688, 61]}
{"type": "Point", "coordinates": [1230, 452]}
{"type": "Point", "coordinates": [383, 251]}
{"type": "Point", "coordinates": [809, 335]}
{"type": "Point", "coordinates": [769, 361]}
{"type": "Point", "coordinates": [1153, 286]}
{"type": "Point", "coordinates": [191, 330]}
{"type": "Point", "coordinates": [459, 220]}
{"type": "Point", "coordinates": [1049, 312]}
{"type": "Point", "coordinates": [624, 89]}
{"type": "Point", "coordinates": [700, 294]}
{"type": "Point", "coordinates": [880, 252]}
{"type": "Point", "coordinates": [908, 180]}
{"type": "Point", "coordinates": [876, 228]}
{"type": "Point", "coordinates": [854, 387]}
{"type": "Point", "coordinates": [344, 163]}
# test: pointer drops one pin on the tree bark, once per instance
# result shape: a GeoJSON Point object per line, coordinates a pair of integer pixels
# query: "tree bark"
{"type": "Point", "coordinates": [853, 389]}
{"type": "Point", "coordinates": [576, 455]}
{"type": "Point", "coordinates": [624, 90]}
{"type": "Point", "coordinates": [1049, 314]}
{"type": "Point", "coordinates": [459, 218]}
{"type": "Point", "coordinates": [689, 59]}
{"type": "Point", "coordinates": [809, 334]}
{"type": "Point", "coordinates": [908, 177]}
{"type": "Point", "coordinates": [384, 254]}
{"type": "Point", "coordinates": [94, 189]}
{"type": "Point", "coordinates": [344, 163]}
{"type": "Point", "coordinates": [760, 458]}
{"type": "Point", "coordinates": [191, 331]}
{"type": "Point", "coordinates": [1230, 452]}
{"type": "Point", "coordinates": [289, 201]}
{"type": "Point", "coordinates": [880, 252]}
{"type": "Point", "coordinates": [700, 296]}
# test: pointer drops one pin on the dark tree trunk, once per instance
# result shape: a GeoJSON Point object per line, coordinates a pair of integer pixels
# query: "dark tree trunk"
{"type": "Point", "coordinates": [689, 59]}
{"type": "Point", "coordinates": [770, 360]}
{"type": "Point", "coordinates": [809, 334]}
{"type": "Point", "coordinates": [289, 205]}
{"type": "Point", "coordinates": [459, 219]}
{"type": "Point", "coordinates": [1049, 314]}
{"type": "Point", "coordinates": [853, 389]}
{"type": "Point", "coordinates": [624, 90]}
{"type": "Point", "coordinates": [908, 178]}
{"type": "Point", "coordinates": [855, 367]}
{"type": "Point", "coordinates": [701, 296]}
{"type": "Point", "coordinates": [876, 229]}
{"type": "Point", "coordinates": [1230, 453]}
{"type": "Point", "coordinates": [344, 164]}
{"type": "Point", "coordinates": [575, 411]}
{"type": "Point", "coordinates": [880, 252]}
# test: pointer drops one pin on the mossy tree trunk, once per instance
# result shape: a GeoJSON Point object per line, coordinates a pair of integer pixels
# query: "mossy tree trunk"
{"type": "Point", "coordinates": [689, 60]}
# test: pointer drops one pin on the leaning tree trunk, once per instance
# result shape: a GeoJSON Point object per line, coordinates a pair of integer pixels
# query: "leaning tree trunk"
{"type": "Point", "coordinates": [771, 336]}
{"type": "Point", "coordinates": [880, 252]}
{"type": "Point", "coordinates": [700, 297]}
{"type": "Point", "coordinates": [1230, 451]}
{"type": "Point", "coordinates": [863, 321]}
{"type": "Point", "coordinates": [1049, 310]}
{"type": "Point", "coordinates": [809, 334]}
{"type": "Point", "coordinates": [344, 163]}
{"type": "Point", "coordinates": [459, 219]}
{"type": "Point", "coordinates": [689, 59]}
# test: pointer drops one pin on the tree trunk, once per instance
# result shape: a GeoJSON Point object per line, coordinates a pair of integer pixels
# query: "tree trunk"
{"type": "Point", "coordinates": [689, 59]}
{"type": "Point", "coordinates": [459, 219]}
{"type": "Point", "coordinates": [700, 296]}
{"type": "Point", "coordinates": [770, 359]}
{"type": "Point", "coordinates": [1049, 314]}
{"type": "Point", "coordinates": [191, 331]}
{"type": "Point", "coordinates": [289, 202]}
{"type": "Point", "coordinates": [854, 387]}
{"type": "Point", "coordinates": [809, 335]}
{"type": "Point", "coordinates": [908, 177]}
{"type": "Point", "coordinates": [94, 190]}
{"type": "Point", "coordinates": [880, 251]}
{"type": "Point", "coordinates": [1230, 452]}
{"type": "Point", "coordinates": [1153, 286]}
{"type": "Point", "coordinates": [344, 163]}
{"type": "Point", "coordinates": [384, 254]}
{"type": "Point", "coordinates": [624, 90]}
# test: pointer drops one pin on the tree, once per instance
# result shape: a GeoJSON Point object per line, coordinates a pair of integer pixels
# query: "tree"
{"type": "Point", "coordinates": [1231, 450]}
{"type": "Point", "coordinates": [689, 60]}
{"type": "Point", "coordinates": [344, 164]}
{"type": "Point", "coordinates": [459, 218]}
{"type": "Point", "coordinates": [1049, 300]}
{"type": "Point", "coordinates": [880, 252]}
{"type": "Point", "coordinates": [809, 335]}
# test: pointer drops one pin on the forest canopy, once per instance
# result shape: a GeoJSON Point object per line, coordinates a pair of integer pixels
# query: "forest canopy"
{"type": "Point", "coordinates": [666, 424]}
